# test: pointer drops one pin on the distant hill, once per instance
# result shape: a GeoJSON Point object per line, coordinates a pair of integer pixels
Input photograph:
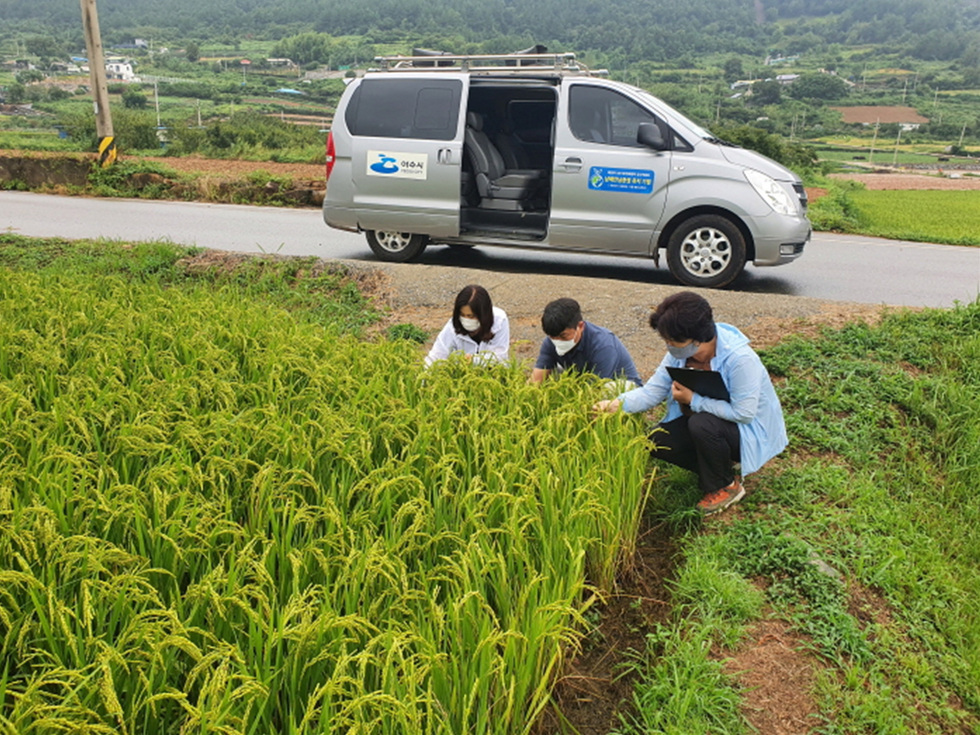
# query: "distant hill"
{"type": "Point", "coordinates": [658, 30]}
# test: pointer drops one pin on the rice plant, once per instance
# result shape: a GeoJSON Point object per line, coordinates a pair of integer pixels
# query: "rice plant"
{"type": "Point", "coordinates": [216, 517]}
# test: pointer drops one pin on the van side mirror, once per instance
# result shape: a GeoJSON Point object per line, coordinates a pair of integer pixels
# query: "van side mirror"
{"type": "Point", "coordinates": [650, 135]}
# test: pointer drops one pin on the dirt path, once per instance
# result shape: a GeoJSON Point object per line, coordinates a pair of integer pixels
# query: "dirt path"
{"type": "Point", "coordinates": [423, 295]}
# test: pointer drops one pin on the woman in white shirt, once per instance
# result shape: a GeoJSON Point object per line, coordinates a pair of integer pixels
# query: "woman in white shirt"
{"type": "Point", "coordinates": [477, 328]}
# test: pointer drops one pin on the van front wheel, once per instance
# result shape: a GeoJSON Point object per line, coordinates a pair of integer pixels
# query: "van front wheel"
{"type": "Point", "coordinates": [396, 247]}
{"type": "Point", "coordinates": [706, 251]}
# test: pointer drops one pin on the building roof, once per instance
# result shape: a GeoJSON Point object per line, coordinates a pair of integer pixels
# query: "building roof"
{"type": "Point", "coordinates": [872, 114]}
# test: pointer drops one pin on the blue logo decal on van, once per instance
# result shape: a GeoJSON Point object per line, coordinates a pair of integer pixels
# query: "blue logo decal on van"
{"type": "Point", "coordinates": [386, 165]}
{"type": "Point", "coordinates": [631, 180]}
{"type": "Point", "coordinates": [397, 165]}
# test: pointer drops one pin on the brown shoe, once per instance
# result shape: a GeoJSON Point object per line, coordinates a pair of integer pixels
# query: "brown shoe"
{"type": "Point", "coordinates": [720, 499]}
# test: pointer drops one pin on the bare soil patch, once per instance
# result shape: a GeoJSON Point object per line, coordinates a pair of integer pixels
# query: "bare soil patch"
{"type": "Point", "coordinates": [423, 295]}
{"type": "Point", "coordinates": [777, 677]}
{"type": "Point", "coordinates": [233, 168]}
{"type": "Point", "coordinates": [905, 181]}
{"type": "Point", "coordinates": [880, 114]}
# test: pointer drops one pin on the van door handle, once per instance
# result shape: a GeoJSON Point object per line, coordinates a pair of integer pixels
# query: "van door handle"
{"type": "Point", "coordinates": [571, 164]}
{"type": "Point", "coordinates": [445, 155]}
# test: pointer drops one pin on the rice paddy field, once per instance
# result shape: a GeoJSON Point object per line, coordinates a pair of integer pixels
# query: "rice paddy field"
{"type": "Point", "coordinates": [220, 516]}
{"type": "Point", "coordinates": [951, 217]}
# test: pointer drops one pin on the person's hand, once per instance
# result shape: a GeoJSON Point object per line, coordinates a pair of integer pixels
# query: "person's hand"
{"type": "Point", "coordinates": [606, 406]}
{"type": "Point", "coordinates": [682, 394]}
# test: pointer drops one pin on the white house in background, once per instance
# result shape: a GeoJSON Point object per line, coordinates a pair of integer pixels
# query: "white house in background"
{"type": "Point", "coordinates": [120, 69]}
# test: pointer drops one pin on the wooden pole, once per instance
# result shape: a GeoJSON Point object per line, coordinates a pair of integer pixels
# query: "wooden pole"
{"type": "Point", "coordinates": [874, 139]}
{"type": "Point", "coordinates": [100, 93]}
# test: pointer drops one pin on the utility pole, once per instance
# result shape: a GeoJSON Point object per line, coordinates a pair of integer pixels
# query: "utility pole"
{"type": "Point", "coordinates": [156, 101]}
{"type": "Point", "coordinates": [96, 67]}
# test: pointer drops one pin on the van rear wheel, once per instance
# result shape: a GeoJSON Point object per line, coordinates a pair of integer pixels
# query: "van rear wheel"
{"type": "Point", "coordinates": [706, 251]}
{"type": "Point", "coordinates": [396, 247]}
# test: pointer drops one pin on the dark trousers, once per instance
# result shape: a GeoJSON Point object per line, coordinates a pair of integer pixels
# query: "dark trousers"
{"type": "Point", "coordinates": [702, 443]}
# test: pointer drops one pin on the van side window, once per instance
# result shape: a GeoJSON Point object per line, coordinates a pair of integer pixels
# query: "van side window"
{"type": "Point", "coordinates": [598, 115]}
{"type": "Point", "coordinates": [405, 108]}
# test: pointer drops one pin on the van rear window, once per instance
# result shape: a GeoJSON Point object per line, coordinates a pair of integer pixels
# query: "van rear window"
{"type": "Point", "coordinates": [405, 108]}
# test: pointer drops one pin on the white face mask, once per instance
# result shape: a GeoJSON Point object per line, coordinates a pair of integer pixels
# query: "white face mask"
{"type": "Point", "coordinates": [563, 346]}
{"type": "Point", "coordinates": [469, 324]}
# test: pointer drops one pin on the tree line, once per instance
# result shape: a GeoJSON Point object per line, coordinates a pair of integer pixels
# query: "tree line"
{"type": "Point", "coordinates": [656, 30]}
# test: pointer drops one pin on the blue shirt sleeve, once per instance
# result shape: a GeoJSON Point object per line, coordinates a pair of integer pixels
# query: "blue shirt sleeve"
{"type": "Point", "coordinates": [654, 392]}
{"type": "Point", "coordinates": [615, 362]}
{"type": "Point", "coordinates": [547, 355]}
{"type": "Point", "coordinates": [744, 375]}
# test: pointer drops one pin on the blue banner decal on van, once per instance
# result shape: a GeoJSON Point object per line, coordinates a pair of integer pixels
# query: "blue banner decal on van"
{"type": "Point", "coordinates": [631, 180]}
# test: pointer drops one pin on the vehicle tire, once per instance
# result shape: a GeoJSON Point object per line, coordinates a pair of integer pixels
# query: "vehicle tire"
{"type": "Point", "coordinates": [396, 247]}
{"type": "Point", "coordinates": [706, 251]}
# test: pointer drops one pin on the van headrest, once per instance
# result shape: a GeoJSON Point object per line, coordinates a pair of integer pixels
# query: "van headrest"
{"type": "Point", "coordinates": [474, 120]}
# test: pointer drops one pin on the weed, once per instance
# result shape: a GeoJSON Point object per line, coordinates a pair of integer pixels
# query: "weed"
{"type": "Point", "coordinates": [409, 332]}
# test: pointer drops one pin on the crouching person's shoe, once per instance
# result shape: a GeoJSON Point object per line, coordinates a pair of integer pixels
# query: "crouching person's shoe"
{"type": "Point", "coordinates": [720, 499]}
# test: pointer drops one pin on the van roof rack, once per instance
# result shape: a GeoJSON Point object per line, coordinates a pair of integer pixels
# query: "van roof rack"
{"type": "Point", "coordinates": [520, 63]}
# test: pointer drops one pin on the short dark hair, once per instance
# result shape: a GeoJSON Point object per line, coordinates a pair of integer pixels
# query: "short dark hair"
{"type": "Point", "coordinates": [683, 316]}
{"type": "Point", "coordinates": [479, 301]}
{"type": "Point", "coordinates": [559, 315]}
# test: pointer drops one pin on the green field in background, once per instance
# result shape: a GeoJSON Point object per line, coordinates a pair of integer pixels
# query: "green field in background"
{"type": "Point", "coordinates": [951, 217]}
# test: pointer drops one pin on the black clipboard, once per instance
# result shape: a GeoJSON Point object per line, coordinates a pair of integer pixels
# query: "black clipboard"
{"type": "Point", "coordinates": [707, 383]}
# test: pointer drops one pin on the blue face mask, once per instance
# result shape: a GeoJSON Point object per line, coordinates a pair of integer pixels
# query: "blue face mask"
{"type": "Point", "coordinates": [682, 353]}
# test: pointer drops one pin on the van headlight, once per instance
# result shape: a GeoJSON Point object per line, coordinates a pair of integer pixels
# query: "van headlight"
{"type": "Point", "coordinates": [771, 192]}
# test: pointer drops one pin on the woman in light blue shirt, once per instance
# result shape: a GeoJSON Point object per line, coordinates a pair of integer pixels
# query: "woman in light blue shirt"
{"type": "Point", "coordinates": [709, 435]}
{"type": "Point", "coordinates": [477, 328]}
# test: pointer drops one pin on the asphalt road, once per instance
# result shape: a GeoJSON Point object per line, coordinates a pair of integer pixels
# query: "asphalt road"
{"type": "Point", "coordinates": [834, 267]}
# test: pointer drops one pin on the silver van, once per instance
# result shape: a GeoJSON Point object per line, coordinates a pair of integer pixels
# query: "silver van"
{"type": "Point", "coordinates": [535, 151]}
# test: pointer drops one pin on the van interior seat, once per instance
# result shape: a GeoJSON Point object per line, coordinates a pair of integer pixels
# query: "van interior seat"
{"type": "Point", "coordinates": [498, 186]}
{"type": "Point", "coordinates": [514, 155]}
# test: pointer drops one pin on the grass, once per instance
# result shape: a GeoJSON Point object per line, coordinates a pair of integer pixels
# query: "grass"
{"type": "Point", "coordinates": [951, 217]}
{"type": "Point", "coordinates": [136, 178]}
{"type": "Point", "coordinates": [36, 140]}
{"type": "Point", "coordinates": [883, 154]}
{"type": "Point", "coordinates": [221, 511]}
{"type": "Point", "coordinates": [862, 538]}
{"type": "Point", "coordinates": [945, 217]}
